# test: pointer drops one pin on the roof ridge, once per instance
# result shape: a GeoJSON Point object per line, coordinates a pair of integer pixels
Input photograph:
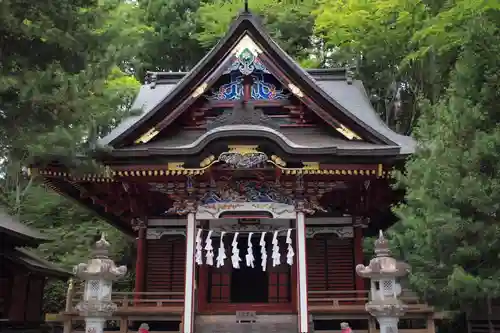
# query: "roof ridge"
{"type": "Point", "coordinates": [337, 74]}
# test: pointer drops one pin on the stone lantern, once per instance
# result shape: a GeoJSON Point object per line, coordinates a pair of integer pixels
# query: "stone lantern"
{"type": "Point", "coordinates": [383, 270]}
{"type": "Point", "coordinates": [98, 274]}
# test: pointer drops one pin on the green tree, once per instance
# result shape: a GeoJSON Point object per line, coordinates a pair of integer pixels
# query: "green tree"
{"type": "Point", "coordinates": [63, 82]}
{"type": "Point", "coordinates": [290, 25]}
{"type": "Point", "coordinates": [170, 44]}
{"type": "Point", "coordinates": [377, 37]}
{"type": "Point", "coordinates": [449, 224]}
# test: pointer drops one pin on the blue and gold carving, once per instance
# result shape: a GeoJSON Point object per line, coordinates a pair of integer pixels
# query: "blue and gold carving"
{"type": "Point", "coordinates": [261, 89]}
{"type": "Point", "coordinates": [230, 91]}
{"type": "Point", "coordinates": [246, 63]}
{"type": "Point", "coordinates": [246, 191]}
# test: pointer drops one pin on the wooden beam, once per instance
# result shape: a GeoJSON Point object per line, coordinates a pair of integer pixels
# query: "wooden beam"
{"type": "Point", "coordinates": [258, 103]}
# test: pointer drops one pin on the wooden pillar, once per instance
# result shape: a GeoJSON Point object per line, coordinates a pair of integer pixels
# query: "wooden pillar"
{"type": "Point", "coordinates": [68, 324]}
{"type": "Point", "coordinates": [302, 273]}
{"type": "Point", "coordinates": [202, 283]}
{"type": "Point", "coordinates": [123, 325]}
{"type": "Point", "coordinates": [372, 324]}
{"type": "Point", "coordinates": [358, 256]}
{"type": "Point", "coordinates": [188, 317]}
{"type": "Point", "coordinates": [431, 325]}
{"type": "Point", "coordinates": [140, 263]}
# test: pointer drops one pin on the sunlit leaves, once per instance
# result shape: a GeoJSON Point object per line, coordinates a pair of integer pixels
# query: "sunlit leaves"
{"type": "Point", "coordinates": [289, 24]}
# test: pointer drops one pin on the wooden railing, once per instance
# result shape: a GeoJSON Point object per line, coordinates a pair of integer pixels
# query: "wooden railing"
{"type": "Point", "coordinates": [355, 300]}
{"type": "Point", "coordinates": [127, 300]}
{"type": "Point", "coordinates": [319, 301]}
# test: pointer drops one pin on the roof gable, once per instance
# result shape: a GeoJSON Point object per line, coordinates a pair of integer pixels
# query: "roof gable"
{"type": "Point", "coordinates": [246, 38]}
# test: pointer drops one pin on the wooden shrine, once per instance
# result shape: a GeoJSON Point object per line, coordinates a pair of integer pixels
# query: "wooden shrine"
{"type": "Point", "coordinates": [23, 276]}
{"type": "Point", "coordinates": [247, 142]}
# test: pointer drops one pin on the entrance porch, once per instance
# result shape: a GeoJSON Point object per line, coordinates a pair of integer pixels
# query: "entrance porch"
{"type": "Point", "coordinates": [210, 298]}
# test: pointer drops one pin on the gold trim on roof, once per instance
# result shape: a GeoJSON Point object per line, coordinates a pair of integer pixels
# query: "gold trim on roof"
{"type": "Point", "coordinates": [178, 169]}
{"type": "Point", "coordinates": [242, 149]}
{"type": "Point", "coordinates": [295, 90]}
{"type": "Point", "coordinates": [305, 170]}
{"type": "Point", "coordinates": [200, 90]}
{"type": "Point", "coordinates": [347, 132]}
{"type": "Point", "coordinates": [146, 137]}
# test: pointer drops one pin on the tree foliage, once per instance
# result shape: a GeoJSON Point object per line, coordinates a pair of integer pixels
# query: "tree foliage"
{"type": "Point", "coordinates": [378, 38]}
{"type": "Point", "coordinates": [171, 45]}
{"type": "Point", "coordinates": [449, 225]}
{"type": "Point", "coordinates": [63, 83]}
{"type": "Point", "coordinates": [290, 25]}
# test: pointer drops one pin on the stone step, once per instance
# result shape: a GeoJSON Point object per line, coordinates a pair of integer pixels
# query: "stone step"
{"type": "Point", "coordinates": [265, 323]}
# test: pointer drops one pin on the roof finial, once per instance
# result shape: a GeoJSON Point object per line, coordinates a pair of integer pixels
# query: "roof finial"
{"type": "Point", "coordinates": [246, 6]}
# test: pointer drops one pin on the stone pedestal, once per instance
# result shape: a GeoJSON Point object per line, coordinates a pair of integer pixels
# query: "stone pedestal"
{"type": "Point", "coordinates": [94, 325]}
{"type": "Point", "coordinates": [388, 324]}
{"type": "Point", "coordinates": [98, 274]}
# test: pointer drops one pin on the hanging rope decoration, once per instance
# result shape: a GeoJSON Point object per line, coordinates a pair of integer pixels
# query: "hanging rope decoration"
{"type": "Point", "coordinates": [276, 255]}
{"type": "Point", "coordinates": [221, 254]}
{"type": "Point", "coordinates": [290, 253]}
{"type": "Point", "coordinates": [249, 257]}
{"type": "Point", "coordinates": [235, 258]}
{"type": "Point", "coordinates": [209, 248]}
{"type": "Point", "coordinates": [263, 252]}
{"type": "Point", "coordinates": [235, 251]}
{"type": "Point", "coordinates": [198, 255]}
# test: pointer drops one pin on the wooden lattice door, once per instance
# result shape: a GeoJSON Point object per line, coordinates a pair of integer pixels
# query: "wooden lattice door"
{"type": "Point", "coordinates": [219, 279]}
{"type": "Point", "coordinates": [279, 276]}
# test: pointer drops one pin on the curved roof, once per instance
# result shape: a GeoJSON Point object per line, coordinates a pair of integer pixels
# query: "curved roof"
{"type": "Point", "coordinates": [307, 141]}
{"type": "Point", "coordinates": [11, 226]}
{"type": "Point", "coordinates": [333, 91]}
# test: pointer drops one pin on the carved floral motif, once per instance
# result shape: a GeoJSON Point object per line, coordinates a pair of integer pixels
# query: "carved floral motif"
{"type": "Point", "coordinates": [243, 161]}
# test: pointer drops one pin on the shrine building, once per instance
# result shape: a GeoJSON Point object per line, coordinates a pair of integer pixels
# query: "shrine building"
{"type": "Point", "coordinates": [23, 276]}
{"type": "Point", "coordinates": [248, 184]}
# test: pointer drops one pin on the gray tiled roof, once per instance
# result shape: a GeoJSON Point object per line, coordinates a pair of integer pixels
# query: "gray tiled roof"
{"type": "Point", "coordinates": [32, 261]}
{"type": "Point", "coordinates": [296, 140]}
{"type": "Point", "coordinates": [146, 100]}
{"type": "Point", "coordinates": [353, 97]}
{"type": "Point", "coordinates": [11, 225]}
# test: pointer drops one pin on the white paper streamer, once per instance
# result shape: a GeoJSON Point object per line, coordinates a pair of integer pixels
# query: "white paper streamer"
{"type": "Point", "coordinates": [235, 258]}
{"type": "Point", "coordinates": [209, 249]}
{"type": "Point", "coordinates": [221, 254]}
{"type": "Point", "coordinates": [276, 250]}
{"type": "Point", "coordinates": [249, 257]}
{"type": "Point", "coordinates": [290, 254]}
{"type": "Point", "coordinates": [263, 252]}
{"type": "Point", "coordinates": [198, 255]}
